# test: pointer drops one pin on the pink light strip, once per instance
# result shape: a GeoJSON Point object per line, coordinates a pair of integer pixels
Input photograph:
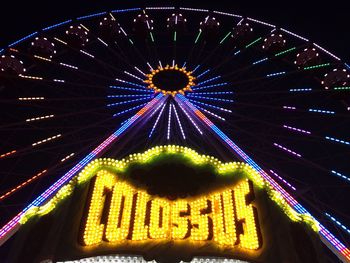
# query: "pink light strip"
{"type": "Point", "coordinates": [5, 230]}
{"type": "Point", "coordinates": [329, 239]}
{"type": "Point", "coordinates": [286, 149]}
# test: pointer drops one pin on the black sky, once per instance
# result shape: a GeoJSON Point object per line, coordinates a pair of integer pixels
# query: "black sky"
{"type": "Point", "coordinates": [323, 22]}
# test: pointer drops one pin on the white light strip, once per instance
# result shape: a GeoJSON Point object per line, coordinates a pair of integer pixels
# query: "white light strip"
{"type": "Point", "coordinates": [39, 118]}
{"type": "Point", "coordinates": [31, 98]}
{"type": "Point", "coordinates": [295, 35]}
{"type": "Point", "coordinates": [227, 14]}
{"type": "Point", "coordinates": [46, 140]}
{"type": "Point", "coordinates": [160, 8]}
{"type": "Point", "coordinates": [260, 22]}
{"type": "Point", "coordinates": [194, 9]}
{"type": "Point", "coordinates": [139, 70]}
{"type": "Point", "coordinates": [42, 58]}
{"type": "Point", "coordinates": [30, 77]}
{"type": "Point", "coordinates": [132, 75]}
{"type": "Point", "coordinates": [104, 43]}
{"type": "Point", "coordinates": [179, 122]}
{"type": "Point", "coordinates": [86, 53]}
{"type": "Point", "coordinates": [68, 66]}
{"type": "Point", "coordinates": [169, 123]}
{"type": "Point", "coordinates": [327, 52]}
{"type": "Point", "coordinates": [59, 80]}
{"type": "Point", "coordinates": [61, 41]}
{"type": "Point", "coordinates": [67, 157]}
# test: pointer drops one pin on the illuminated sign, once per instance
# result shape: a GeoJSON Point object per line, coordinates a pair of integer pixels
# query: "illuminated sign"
{"type": "Point", "coordinates": [226, 217]}
{"type": "Point", "coordinates": [205, 208]}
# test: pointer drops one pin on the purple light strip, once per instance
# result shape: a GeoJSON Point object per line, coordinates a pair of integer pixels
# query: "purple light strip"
{"type": "Point", "coordinates": [157, 120]}
{"type": "Point", "coordinates": [179, 122]}
{"type": "Point", "coordinates": [296, 129]}
{"type": "Point", "coordinates": [286, 149]}
{"type": "Point", "coordinates": [284, 181]}
{"type": "Point", "coordinates": [289, 107]}
{"type": "Point", "coordinates": [329, 238]}
{"type": "Point", "coordinates": [189, 117]}
{"type": "Point", "coordinates": [210, 86]}
{"type": "Point", "coordinates": [78, 167]}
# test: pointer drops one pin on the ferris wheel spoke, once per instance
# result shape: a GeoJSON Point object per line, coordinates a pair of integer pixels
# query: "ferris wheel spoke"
{"type": "Point", "coordinates": [99, 62]}
{"type": "Point", "coordinates": [157, 120]}
{"type": "Point", "coordinates": [265, 59]}
{"type": "Point", "coordinates": [124, 57]}
{"type": "Point", "coordinates": [283, 98]}
{"type": "Point", "coordinates": [195, 101]}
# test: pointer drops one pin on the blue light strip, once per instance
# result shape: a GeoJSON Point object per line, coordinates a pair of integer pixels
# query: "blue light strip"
{"type": "Point", "coordinates": [322, 111]}
{"type": "Point", "coordinates": [22, 39]}
{"type": "Point", "coordinates": [260, 61]}
{"type": "Point", "coordinates": [9, 229]}
{"type": "Point", "coordinates": [57, 25]}
{"type": "Point", "coordinates": [327, 236]}
{"type": "Point", "coordinates": [133, 89]}
{"type": "Point", "coordinates": [208, 98]}
{"type": "Point", "coordinates": [275, 74]}
{"type": "Point", "coordinates": [128, 110]}
{"type": "Point", "coordinates": [300, 90]}
{"type": "Point", "coordinates": [341, 175]}
{"type": "Point", "coordinates": [196, 68]}
{"type": "Point", "coordinates": [92, 15]}
{"type": "Point", "coordinates": [337, 140]}
{"type": "Point", "coordinates": [128, 96]}
{"type": "Point", "coordinates": [215, 93]}
{"type": "Point", "coordinates": [202, 74]}
{"type": "Point", "coordinates": [210, 86]}
{"type": "Point", "coordinates": [125, 10]}
{"type": "Point", "coordinates": [208, 80]}
{"type": "Point", "coordinates": [210, 105]}
{"type": "Point", "coordinates": [127, 101]}
{"type": "Point", "coordinates": [338, 223]}
{"type": "Point", "coordinates": [131, 83]}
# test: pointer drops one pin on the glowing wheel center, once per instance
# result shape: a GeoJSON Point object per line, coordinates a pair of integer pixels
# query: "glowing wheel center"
{"type": "Point", "coordinates": [170, 80]}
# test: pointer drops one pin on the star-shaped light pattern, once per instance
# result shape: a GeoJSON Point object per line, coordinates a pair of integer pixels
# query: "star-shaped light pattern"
{"type": "Point", "coordinates": [208, 92]}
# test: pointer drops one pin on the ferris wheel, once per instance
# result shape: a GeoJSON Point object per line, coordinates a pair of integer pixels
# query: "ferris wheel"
{"type": "Point", "coordinates": [121, 81]}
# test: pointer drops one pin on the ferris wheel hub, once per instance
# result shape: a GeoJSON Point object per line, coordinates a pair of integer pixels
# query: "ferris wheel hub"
{"type": "Point", "coordinates": [170, 80]}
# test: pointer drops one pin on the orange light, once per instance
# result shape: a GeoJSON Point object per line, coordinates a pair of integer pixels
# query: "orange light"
{"type": "Point", "coordinates": [156, 89]}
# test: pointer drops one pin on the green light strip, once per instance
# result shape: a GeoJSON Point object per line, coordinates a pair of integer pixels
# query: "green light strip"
{"type": "Point", "coordinates": [342, 88]}
{"type": "Point", "coordinates": [285, 51]}
{"type": "Point", "coordinates": [199, 34]}
{"type": "Point", "coordinates": [317, 66]}
{"type": "Point", "coordinates": [150, 33]}
{"type": "Point", "coordinates": [175, 36]}
{"type": "Point", "coordinates": [252, 43]}
{"type": "Point", "coordinates": [131, 41]}
{"type": "Point", "coordinates": [225, 37]}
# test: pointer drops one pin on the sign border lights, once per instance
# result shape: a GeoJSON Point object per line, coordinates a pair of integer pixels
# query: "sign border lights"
{"type": "Point", "coordinates": [118, 166]}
